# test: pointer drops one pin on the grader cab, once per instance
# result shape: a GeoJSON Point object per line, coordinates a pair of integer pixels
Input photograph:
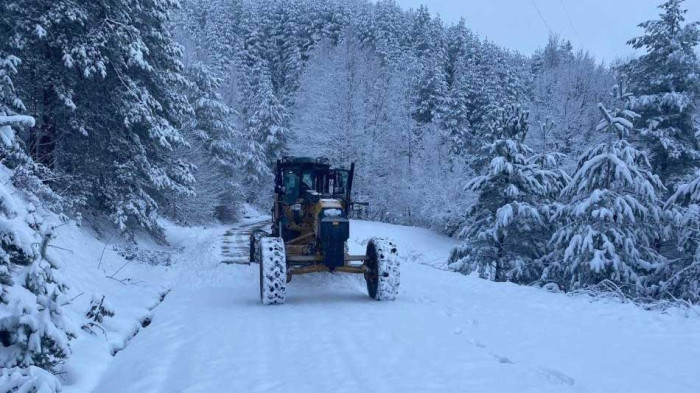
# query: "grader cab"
{"type": "Point", "coordinates": [310, 230]}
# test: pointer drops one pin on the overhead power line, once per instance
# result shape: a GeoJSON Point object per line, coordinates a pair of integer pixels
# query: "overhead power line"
{"type": "Point", "coordinates": [541, 16]}
{"type": "Point", "coordinates": [571, 22]}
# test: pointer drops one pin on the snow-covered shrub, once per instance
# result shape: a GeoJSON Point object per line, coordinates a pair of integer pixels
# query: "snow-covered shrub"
{"type": "Point", "coordinates": [507, 234]}
{"type": "Point", "coordinates": [151, 257]}
{"type": "Point", "coordinates": [610, 218]}
{"type": "Point", "coordinates": [99, 309]}
{"type": "Point", "coordinates": [31, 379]}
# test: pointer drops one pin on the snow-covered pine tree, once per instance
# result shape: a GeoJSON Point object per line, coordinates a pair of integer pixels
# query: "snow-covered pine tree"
{"type": "Point", "coordinates": [381, 26]}
{"type": "Point", "coordinates": [455, 117]}
{"type": "Point", "coordinates": [549, 159]}
{"type": "Point", "coordinates": [38, 83]}
{"type": "Point", "coordinates": [26, 174]}
{"type": "Point", "coordinates": [666, 84]}
{"type": "Point", "coordinates": [495, 78]}
{"type": "Point", "coordinates": [264, 115]}
{"type": "Point", "coordinates": [34, 331]}
{"type": "Point", "coordinates": [39, 333]}
{"type": "Point", "coordinates": [567, 88]}
{"type": "Point", "coordinates": [211, 30]}
{"type": "Point", "coordinates": [10, 105]}
{"type": "Point", "coordinates": [269, 122]}
{"type": "Point", "coordinates": [610, 218]}
{"type": "Point", "coordinates": [105, 78]}
{"type": "Point", "coordinates": [430, 86]}
{"type": "Point", "coordinates": [212, 125]}
{"type": "Point", "coordinates": [285, 48]}
{"type": "Point", "coordinates": [440, 84]}
{"type": "Point", "coordinates": [215, 148]}
{"type": "Point", "coordinates": [680, 276]}
{"type": "Point", "coordinates": [506, 233]}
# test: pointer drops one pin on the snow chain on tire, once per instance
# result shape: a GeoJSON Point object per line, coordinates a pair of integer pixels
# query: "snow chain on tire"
{"type": "Point", "coordinates": [385, 275]}
{"type": "Point", "coordinates": [273, 270]}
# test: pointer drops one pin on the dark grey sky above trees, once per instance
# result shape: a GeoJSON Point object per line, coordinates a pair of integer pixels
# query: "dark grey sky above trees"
{"type": "Point", "coordinates": [599, 26]}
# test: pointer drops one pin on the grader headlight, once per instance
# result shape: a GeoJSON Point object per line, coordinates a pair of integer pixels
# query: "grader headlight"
{"type": "Point", "coordinates": [332, 212]}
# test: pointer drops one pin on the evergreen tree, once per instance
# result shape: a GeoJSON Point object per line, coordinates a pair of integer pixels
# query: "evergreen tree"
{"type": "Point", "coordinates": [10, 105]}
{"type": "Point", "coordinates": [269, 121]}
{"type": "Point", "coordinates": [455, 119]}
{"type": "Point", "coordinates": [611, 218]}
{"type": "Point", "coordinates": [430, 77]}
{"type": "Point", "coordinates": [666, 83]}
{"type": "Point", "coordinates": [34, 330]}
{"type": "Point", "coordinates": [215, 148]}
{"type": "Point", "coordinates": [212, 125]}
{"type": "Point", "coordinates": [680, 276]}
{"type": "Point", "coordinates": [105, 78]}
{"type": "Point", "coordinates": [211, 29]}
{"type": "Point", "coordinates": [441, 86]}
{"type": "Point", "coordinates": [566, 90]}
{"type": "Point", "coordinates": [26, 173]}
{"type": "Point", "coordinates": [505, 234]}
{"type": "Point", "coordinates": [284, 48]}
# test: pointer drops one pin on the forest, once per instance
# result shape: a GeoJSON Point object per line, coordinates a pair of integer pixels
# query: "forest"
{"type": "Point", "coordinates": [552, 169]}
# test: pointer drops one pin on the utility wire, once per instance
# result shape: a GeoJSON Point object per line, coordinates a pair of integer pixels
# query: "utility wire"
{"type": "Point", "coordinates": [571, 22]}
{"type": "Point", "coordinates": [541, 16]}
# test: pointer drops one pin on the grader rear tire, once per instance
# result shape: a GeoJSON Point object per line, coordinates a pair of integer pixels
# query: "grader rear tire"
{"type": "Point", "coordinates": [384, 273]}
{"type": "Point", "coordinates": [273, 270]}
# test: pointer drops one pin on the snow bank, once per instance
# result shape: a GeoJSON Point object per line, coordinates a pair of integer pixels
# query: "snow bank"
{"type": "Point", "coordinates": [415, 244]}
{"type": "Point", "coordinates": [131, 288]}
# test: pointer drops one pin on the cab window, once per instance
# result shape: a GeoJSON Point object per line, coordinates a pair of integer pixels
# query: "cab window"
{"type": "Point", "coordinates": [341, 182]}
{"type": "Point", "coordinates": [291, 187]}
{"type": "Point", "coordinates": [308, 182]}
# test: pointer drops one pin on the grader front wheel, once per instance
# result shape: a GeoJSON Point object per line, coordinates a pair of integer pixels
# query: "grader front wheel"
{"type": "Point", "coordinates": [384, 271]}
{"type": "Point", "coordinates": [273, 270]}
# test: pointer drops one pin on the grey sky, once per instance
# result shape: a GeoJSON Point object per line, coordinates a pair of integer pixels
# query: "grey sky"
{"type": "Point", "coordinates": [599, 26]}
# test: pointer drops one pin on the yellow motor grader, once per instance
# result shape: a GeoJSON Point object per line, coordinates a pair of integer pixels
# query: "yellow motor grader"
{"type": "Point", "coordinates": [310, 230]}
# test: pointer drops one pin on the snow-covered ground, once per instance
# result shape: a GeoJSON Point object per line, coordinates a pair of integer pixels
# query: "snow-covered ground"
{"type": "Point", "coordinates": [132, 289]}
{"type": "Point", "coordinates": [445, 333]}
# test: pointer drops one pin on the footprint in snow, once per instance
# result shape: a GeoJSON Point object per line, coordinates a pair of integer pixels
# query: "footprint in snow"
{"type": "Point", "coordinates": [424, 299]}
{"type": "Point", "coordinates": [556, 377]}
{"type": "Point", "coordinates": [499, 358]}
{"type": "Point", "coordinates": [477, 343]}
{"type": "Point", "coordinates": [502, 359]}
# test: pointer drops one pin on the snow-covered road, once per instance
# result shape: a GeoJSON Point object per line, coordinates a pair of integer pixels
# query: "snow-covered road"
{"type": "Point", "coordinates": [446, 333]}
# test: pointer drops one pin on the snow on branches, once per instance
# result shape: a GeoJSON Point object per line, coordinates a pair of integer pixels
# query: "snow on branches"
{"type": "Point", "coordinates": [507, 232]}
{"type": "Point", "coordinates": [34, 331]}
{"type": "Point", "coordinates": [610, 220]}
